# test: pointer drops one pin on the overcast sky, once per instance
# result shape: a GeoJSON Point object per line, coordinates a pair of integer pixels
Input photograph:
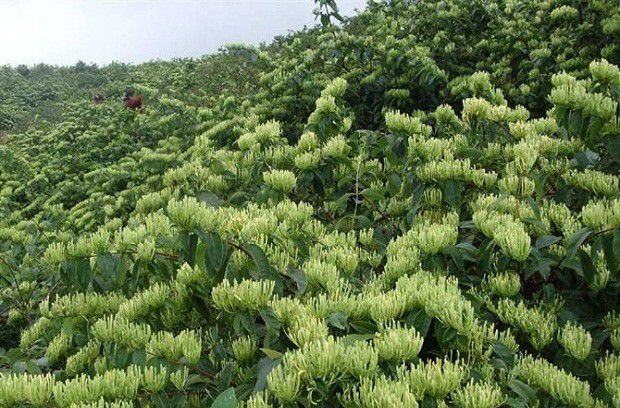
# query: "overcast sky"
{"type": "Point", "coordinates": [101, 31]}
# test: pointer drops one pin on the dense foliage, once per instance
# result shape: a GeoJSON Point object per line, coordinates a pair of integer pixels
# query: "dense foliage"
{"type": "Point", "coordinates": [418, 207]}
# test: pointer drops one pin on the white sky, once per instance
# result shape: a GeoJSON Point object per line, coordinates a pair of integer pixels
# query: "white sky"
{"type": "Point", "coordinates": [101, 31]}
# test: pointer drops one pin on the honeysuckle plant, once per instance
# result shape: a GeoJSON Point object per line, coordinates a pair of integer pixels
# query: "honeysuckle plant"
{"type": "Point", "coordinates": [393, 215]}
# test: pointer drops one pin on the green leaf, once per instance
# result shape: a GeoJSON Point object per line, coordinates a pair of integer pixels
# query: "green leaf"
{"type": "Point", "coordinates": [468, 251]}
{"type": "Point", "coordinates": [262, 263]}
{"type": "Point", "coordinates": [78, 271]}
{"type": "Point", "coordinates": [139, 357]}
{"type": "Point", "coordinates": [446, 336]}
{"type": "Point", "coordinates": [524, 391]}
{"type": "Point", "coordinates": [419, 320]}
{"type": "Point", "coordinates": [362, 222]}
{"type": "Point", "coordinates": [209, 198]}
{"type": "Point", "coordinates": [243, 323]}
{"type": "Point", "coordinates": [271, 353]}
{"type": "Point", "coordinates": [374, 195]}
{"type": "Point", "coordinates": [546, 240]}
{"type": "Point", "coordinates": [587, 267]}
{"type": "Point", "coordinates": [123, 267]}
{"type": "Point", "coordinates": [503, 353]}
{"type": "Point", "coordinates": [238, 198]}
{"type": "Point", "coordinates": [575, 242]}
{"type": "Point", "coordinates": [363, 326]}
{"type": "Point", "coordinates": [84, 273]}
{"type": "Point", "coordinates": [613, 147]}
{"type": "Point", "coordinates": [325, 23]}
{"type": "Point", "coordinates": [191, 249]}
{"type": "Point", "coordinates": [535, 207]}
{"type": "Point", "coordinates": [340, 205]}
{"type": "Point", "coordinates": [109, 265]}
{"type": "Point", "coordinates": [337, 320]}
{"type": "Point", "coordinates": [216, 253]}
{"type": "Point", "coordinates": [616, 247]}
{"type": "Point", "coordinates": [178, 401]}
{"type": "Point", "coordinates": [351, 339]}
{"type": "Point", "coordinates": [43, 362]}
{"type": "Point", "coordinates": [13, 355]}
{"type": "Point", "coordinates": [540, 264]}
{"type": "Point", "coordinates": [269, 317]}
{"type": "Point", "coordinates": [586, 159]}
{"type": "Point", "coordinates": [607, 244]}
{"type": "Point", "coordinates": [226, 399]}
{"type": "Point", "coordinates": [19, 367]}
{"type": "Point", "coordinates": [452, 193]}
{"type": "Point", "coordinates": [120, 357]}
{"type": "Point", "coordinates": [332, 4]}
{"type": "Point", "coordinates": [535, 223]}
{"type": "Point", "coordinates": [393, 184]}
{"type": "Point", "coordinates": [454, 253]}
{"type": "Point", "coordinates": [264, 367]}
{"type": "Point", "coordinates": [469, 224]}
{"type": "Point", "coordinates": [300, 279]}
{"type": "Point", "coordinates": [32, 367]}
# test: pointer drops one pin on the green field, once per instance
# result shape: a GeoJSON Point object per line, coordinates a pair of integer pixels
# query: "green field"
{"type": "Point", "coordinates": [417, 206]}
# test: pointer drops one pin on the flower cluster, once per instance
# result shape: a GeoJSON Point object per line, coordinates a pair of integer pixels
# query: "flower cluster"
{"type": "Point", "coordinates": [113, 329]}
{"type": "Point", "coordinates": [576, 341]}
{"type": "Point", "coordinates": [114, 385]}
{"type": "Point", "coordinates": [505, 284]}
{"type": "Point", "coordinates": [562, 386]}
{"type": "Point", "coordinates": [397, 344]}
{"type": "Point", "coordinates": [540, 325]}
{"type": "Point", "coordinates": [190, 214]}
{"type": "Point", "coordinates": [510, 234]}
{"type": "Point", "coordinates": [187, 345]}
{"type": "Point", "coordinates": [380, 392]}
{"type": "Point", "coordinates": [599, 183]}
{"type": "Point", "coordinates": [478, 395]}
{"type": "Point", "coordinates": [601, 215]}
{"type": "Point", "coordinates": [436, 378]}
{"type": "Point", "coordinates": [360, 215]}
{"type": "Point", "coordinates": [246, 294]}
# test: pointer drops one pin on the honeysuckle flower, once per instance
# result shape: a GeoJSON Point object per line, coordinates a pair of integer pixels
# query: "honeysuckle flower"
{"type": "Point", "coordinates": [283, 384]}
{"type": "Point", "coordinates": [77, 362]}
{"type": "Point", "coordinates": [113, 329]}
{"type": "Point", "coordinates": [244, 349]}
{"type": "Point", "coordinates": [478, 395]}
{"type": "Point", "coordinates": [24, 389]}
{"type": "Point", "coordinates": [380, 392]}
{"type": "Point", "coordinates": [58, 347]}
{"type": "Point", "coordinates": [608, 367]}
{"type": "Point", "coordinates": [179, 378]}
{"type": "Point", "coordinates": [601, 215]}
{"type": "Point", "coordinates": [540, 325]}
{"type": "Point", "coordinates": [399, 123]}
{"type": "Point", "coordinates": [505, 284]}
{"type": "Point", "coordinates": [562, 386]}
{"type": "Point", "coordinates": [397, 344]}
{"type": "Point", "coordinates": [280, 180]}
{"type": "Point", "coordinates": [601, 184]}
{"type": "Point", "coordinates": [243, 295]}
{"type": "Point", "coordinates": [576, 341]}
{"type": "Point", "coordinates": [614, 338]}
{"type": "Point", "coordinates": [436, 378]}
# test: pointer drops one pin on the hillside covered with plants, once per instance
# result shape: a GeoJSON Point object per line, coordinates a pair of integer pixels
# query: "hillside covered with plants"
{"type": "Point", "coordinates": [418, 206]}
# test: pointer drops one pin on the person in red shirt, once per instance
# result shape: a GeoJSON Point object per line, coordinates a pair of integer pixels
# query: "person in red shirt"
{"type": "Point", "coordinates": [131, 100]}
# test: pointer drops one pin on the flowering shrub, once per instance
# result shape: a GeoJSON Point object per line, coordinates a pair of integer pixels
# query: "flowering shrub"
{"type": "Point", "coordinates": [380, 225]}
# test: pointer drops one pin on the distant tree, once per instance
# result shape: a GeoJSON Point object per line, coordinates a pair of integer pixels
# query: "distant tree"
{"type": "Point", "coordinates": [23, 70]}
{"type": "Point", "coordinates": [7, 118]}
{"type": "Point", "coordinates": [80, 66]}
{"type": "Point", "coordinates": [326, 9]}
